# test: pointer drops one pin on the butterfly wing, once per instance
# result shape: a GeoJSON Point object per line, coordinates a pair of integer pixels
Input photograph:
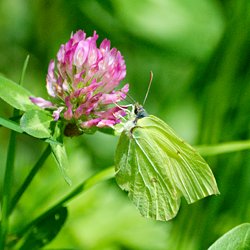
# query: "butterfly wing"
{"type": "Point", "coordinates": [156, 167]}
{"type": "Point", "coordinates": [187, 169]}
{"type": "Point", "coordinates": [140, 174]}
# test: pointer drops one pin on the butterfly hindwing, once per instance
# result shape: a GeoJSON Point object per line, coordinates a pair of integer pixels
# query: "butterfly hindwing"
{"type": "Point", "coordinates": [144, 178]}
{"type": "Point", "coordinates": [157, 168]}
{"type": "Point", "coordinates": [123, 158]}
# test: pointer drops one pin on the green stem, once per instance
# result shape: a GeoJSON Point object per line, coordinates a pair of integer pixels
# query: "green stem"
{"type": "Point", "coordinates": [85, 185]}
{"type": "Point", "coordinates": [29, 178]}
{"type": "Point", "coordinates": [7, 185]}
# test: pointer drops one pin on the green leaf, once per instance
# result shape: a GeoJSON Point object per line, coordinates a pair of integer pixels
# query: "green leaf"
{"type": "Point", "coordinates": [10, 124]}
{"type": "Point", "coordinates": [236, 239]}
{"type": "Point", "coordinates": [15, 95]}
{"type": "Point", "coordinates": [60, 155]}
{"type": "Point", "coordinates": [45, 230]}
{"type": "Point", "coordinates": [59, 151]}
{"type": "Point", "coordinates": [37, 123]}
{"type": "Point", "coordinates": [107, 130]}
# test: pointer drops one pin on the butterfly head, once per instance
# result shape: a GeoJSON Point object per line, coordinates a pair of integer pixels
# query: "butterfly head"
{"type": "Point", "coordinates": [139, 111]}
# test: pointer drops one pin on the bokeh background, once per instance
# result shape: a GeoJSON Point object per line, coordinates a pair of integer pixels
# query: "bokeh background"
{"type": "Point", "coordinates": [200, 55]}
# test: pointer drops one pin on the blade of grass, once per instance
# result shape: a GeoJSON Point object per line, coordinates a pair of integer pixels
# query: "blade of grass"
{"type": "Point", "coordinates": [9, 174]}
{"type": "Point", "coordinates": [223, 148]}
{"type": "Point", "coordinates": [24, 69]}
{"type": "Point", "coordinates": [8, 180]}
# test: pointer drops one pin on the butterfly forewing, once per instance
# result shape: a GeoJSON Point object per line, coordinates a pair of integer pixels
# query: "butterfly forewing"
{"type": "Point", "coordinates": [156, 167]}
{"type": "Point", "coordinates": [186, 168]}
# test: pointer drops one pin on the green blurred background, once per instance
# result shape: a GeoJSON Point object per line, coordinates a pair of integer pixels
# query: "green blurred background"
{"type": "Point", "coordinates": [200, 55]}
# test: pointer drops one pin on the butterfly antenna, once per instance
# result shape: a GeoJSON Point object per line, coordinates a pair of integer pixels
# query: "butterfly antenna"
{"type": "Point", "coordinates": [149, 86]}
{"type": "Point", "coordinates": [131, 98]}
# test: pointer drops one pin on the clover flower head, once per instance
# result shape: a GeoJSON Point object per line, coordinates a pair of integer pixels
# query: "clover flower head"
{"type": "Point", "coordinates": [82, 83]}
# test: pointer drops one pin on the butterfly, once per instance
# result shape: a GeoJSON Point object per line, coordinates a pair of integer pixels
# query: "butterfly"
{"type": "Point", "coordinates": [157, 167]}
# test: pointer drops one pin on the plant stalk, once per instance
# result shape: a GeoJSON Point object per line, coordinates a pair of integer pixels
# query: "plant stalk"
{"type": "Point", "coordinates": [29, 178]}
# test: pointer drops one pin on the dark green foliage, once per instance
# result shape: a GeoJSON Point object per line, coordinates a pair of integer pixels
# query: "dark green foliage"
{"type": "Point", "coordinates": [201, 66]}
{"type": "Point", "coordinates": [45, 230]}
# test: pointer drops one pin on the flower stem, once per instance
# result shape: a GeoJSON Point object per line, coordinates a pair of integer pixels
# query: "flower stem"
{"type": "Point", "coordinates": [85, 185]}
{"type": "Point", "coordinates": [29, 178]}
{"type": "Point", "coordinates": [7, 185]}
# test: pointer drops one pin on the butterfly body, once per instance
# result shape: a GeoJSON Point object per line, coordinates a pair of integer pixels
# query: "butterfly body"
{"type": "Point", "coordinates": [156, 167]}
